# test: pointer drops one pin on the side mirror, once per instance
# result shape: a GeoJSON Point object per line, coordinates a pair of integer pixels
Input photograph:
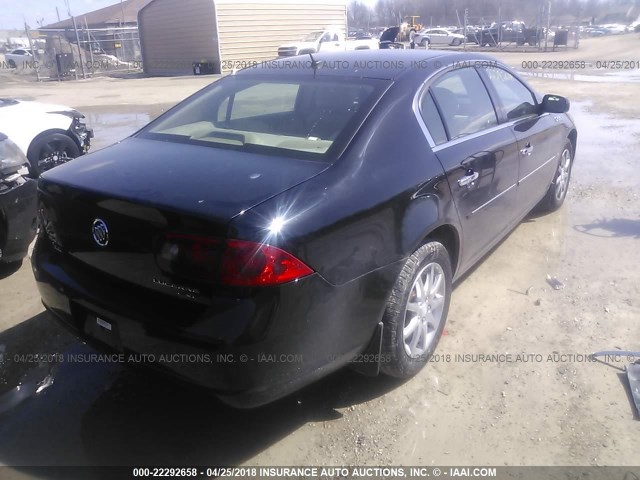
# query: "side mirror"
{"type": "Point", "coordinates": [554, 104]}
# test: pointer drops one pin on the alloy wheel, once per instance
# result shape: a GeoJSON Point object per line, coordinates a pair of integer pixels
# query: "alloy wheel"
{"type": "Point", "coordinates": [564, 169]}
{"type": "Point", "coordinates": [53, 153]}
{"type": "Point", "coordinates": [423, 313]}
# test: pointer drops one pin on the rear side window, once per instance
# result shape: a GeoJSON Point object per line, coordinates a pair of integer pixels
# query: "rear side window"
{"type": "Point", "coordinates": [432, 119]}
{"type": "Point", "coordinates": [464, 102]}
{"type": "Point", "coordinates": [516, 99]}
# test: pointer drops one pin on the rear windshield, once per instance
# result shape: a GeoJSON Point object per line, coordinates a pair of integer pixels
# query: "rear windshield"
{"type": "Point", "coordinates": [305, 117]}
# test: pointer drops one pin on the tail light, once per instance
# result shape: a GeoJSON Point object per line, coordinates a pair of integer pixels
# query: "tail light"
{"type": "Point", "coordinates": [229, 262]}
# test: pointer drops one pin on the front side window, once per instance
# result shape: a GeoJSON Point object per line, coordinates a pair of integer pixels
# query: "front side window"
{"type": "Point", "coordinates": [312, 37]}
{"type": "Point", "coordinates": [516, 99]}
{"type": "Point", "coordinates": [464, 102]}
{"type": "Point", "coordinates": [302, 117]}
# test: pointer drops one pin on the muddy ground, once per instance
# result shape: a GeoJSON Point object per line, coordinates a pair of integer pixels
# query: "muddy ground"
{"type": "Point", "coordinates": [544, 404]}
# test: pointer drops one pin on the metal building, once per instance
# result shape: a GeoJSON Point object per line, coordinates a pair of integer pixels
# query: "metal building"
{"type": "Point", "coordinates": [227, 33]}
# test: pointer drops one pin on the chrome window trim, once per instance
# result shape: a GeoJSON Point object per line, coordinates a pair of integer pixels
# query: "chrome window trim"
{"type": "Point", "coordinates": [416, 106]}
{"type": "Point", "coordinates": [471, 136]}
{"type": "Point", "coordinates": [424, 89]}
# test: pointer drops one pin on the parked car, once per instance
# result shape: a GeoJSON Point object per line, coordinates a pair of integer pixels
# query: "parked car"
{"type": "Point", "coordinates": [17, 203]}
{"type": "Point", "coordinates": [388, 39]}
{"type": "Point", "coordinates": [438, 36]}
{"type": "Point", "coordinates": [20, 57]}
{"type": "Point", "coordinates": [48, 135]}
{"type": "Point", "coordinates": [615, 28]}
{"type": "Point", "coordinates": [281, 223]}
{"type": "Point", "coordinates": [331, 40]}
{"type": "Point", "coordinates": [595, 32]}
{"type": "Point", "coordinates": [509, 32]}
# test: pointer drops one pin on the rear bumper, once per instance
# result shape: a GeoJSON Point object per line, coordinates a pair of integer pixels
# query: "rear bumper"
{"type": "Point", "coordinates": [250, 347]}
{"type": "Point", "coordinates": [18, 218]}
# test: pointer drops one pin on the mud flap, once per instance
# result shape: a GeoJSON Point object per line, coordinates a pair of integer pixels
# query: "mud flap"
{"type": "Point", "coordinates": [369, 359]}
{"type": "Point", "coordinates": [633, 375]}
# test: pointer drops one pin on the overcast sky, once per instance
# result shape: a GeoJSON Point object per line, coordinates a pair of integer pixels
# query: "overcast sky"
{"type": "Point", "coordinates": [13, 13]}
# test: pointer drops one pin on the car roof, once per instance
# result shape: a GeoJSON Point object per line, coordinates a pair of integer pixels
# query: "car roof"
{"type": "Point", "coordinates": [387, 64]}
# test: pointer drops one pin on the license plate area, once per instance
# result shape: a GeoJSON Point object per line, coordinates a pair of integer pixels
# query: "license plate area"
{"type": "Point", "coordinates": [105, 330]}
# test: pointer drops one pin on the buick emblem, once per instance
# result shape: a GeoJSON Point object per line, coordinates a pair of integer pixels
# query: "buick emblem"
{"type": "Point", "coordinates": [100, 232]}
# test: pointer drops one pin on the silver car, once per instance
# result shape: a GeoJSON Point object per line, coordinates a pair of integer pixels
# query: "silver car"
{"type": "Point", "coordinates": [437, 36]}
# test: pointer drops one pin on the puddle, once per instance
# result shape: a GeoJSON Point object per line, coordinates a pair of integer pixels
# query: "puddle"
{"type": "Point", "coordinates": [626, 76]}
{"type": "Point", "coordinates": [606, 143]}
{"type": "Point", "coordinates": [112, 124]}
{"type": "Point", "coordinates": [607, 147]}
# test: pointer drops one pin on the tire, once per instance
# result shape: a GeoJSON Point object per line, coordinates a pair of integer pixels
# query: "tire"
{"type": "Point", "coordinates": [51, 150]}
{"type": "Point", "coordinates": [425, 43]}
{"type": "Point", "coordinates": [12, 64]}
{"type": "Point", "coordinates": [407, 351]}
{"type": "Point", "coordinates": [456, 42]}
{"type": "Point", "coordinates": [554, 198]}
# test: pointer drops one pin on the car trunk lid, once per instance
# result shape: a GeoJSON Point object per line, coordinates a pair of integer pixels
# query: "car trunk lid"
{"type": "Point", "coordinates": [112, 209]}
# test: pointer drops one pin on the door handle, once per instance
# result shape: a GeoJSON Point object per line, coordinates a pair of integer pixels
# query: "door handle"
{"type": "Point", "coordinates": [527, 150]}
{"type": "Point", "coordinates": [468, 179]}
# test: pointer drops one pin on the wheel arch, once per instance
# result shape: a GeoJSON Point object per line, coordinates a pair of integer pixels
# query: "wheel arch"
{"type": "Point", "coordinates": [448, 236]}
{"type": "Point", "coordinates": [51, 131]}
{"type": "Point", "coordinates": [573, 138]}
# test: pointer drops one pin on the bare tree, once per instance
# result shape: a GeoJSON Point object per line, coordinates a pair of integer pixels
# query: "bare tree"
{"type": "Point", "coordinates": [447, 12]}
{"type": "Point", "coordinates": [359, 15]}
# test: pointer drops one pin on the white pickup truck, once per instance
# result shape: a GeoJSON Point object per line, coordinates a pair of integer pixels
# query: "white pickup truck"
{"type": "Point", "coordinates": [329, 40]}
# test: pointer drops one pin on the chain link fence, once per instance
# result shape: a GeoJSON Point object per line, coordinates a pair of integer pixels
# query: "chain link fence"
{"type": "Point", "coordinates": [62, 54]}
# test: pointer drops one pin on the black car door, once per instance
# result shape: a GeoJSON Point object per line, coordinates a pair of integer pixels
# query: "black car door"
{"type": "Point", "coordinates": [538, 136]}
{"type": "Point", "coordinates": [479, 157]}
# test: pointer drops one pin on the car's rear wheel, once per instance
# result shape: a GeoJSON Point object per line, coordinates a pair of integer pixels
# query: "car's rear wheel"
{"type": "Point", "coordinates": [416, 311]}
{"type": "Point", "coordinates": [557, 192]}
{"type": "Point", "coordinates": [11, 64]}
{"type": "Point", "coordinates": [50, 151]}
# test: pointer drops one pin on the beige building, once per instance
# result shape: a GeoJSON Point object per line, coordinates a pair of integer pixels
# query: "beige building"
{"type": "Point", "coordinates": [227, 34]}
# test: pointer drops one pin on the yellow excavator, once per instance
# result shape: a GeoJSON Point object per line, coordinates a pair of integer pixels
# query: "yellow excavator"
{"type": "Point", "coordinates": [411, 26]}
{"type": "Point", "coordinates": [412, 23]}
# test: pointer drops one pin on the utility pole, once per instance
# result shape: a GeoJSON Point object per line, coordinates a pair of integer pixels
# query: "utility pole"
{"type": "Point", "coordinates": [33, 50]}
{"type": "Point", "coordinates": [499, 39]}
{"type": "Point", "coordinates": [464, 32]}
{"type": "Point", "coordinates": [86, 25]}
{"type": "Point", "coordinates": [546, 34]}
{"type": "Point", "coordinates": [75, 27]}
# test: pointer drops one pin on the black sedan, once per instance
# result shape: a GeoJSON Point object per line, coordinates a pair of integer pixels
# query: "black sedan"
{"type": "Point", "coordinates": [299, 216]}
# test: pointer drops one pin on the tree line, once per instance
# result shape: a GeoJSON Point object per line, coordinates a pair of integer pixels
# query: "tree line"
{"type": "Point", "coordinates": [451, 12]}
